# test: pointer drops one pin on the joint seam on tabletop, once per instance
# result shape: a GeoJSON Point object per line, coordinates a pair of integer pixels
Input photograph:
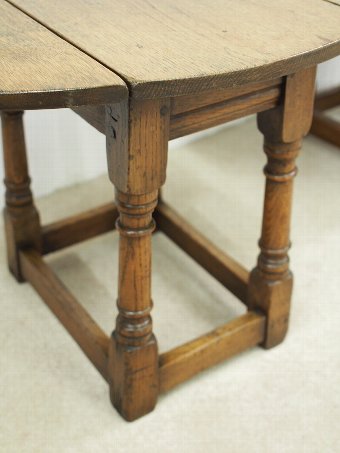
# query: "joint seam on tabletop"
{"type": "Point", "coordinates": [61, 36]}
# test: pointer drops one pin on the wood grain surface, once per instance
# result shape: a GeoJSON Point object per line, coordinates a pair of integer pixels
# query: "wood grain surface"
{"type": "Point", "coordinates": [40, 70]}
{"type": "Point", "coordinates": [196, 112]}
{"type": "Point", "coordinates": [271, 281]}
{"type": "Point", "coordinates": [170, 48]}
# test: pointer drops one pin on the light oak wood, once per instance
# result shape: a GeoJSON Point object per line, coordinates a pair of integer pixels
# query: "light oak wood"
{"type": "Point", "coordinates": [185, 104]}
{"type": "Point", "coordinates": [137, 134]}
{"type": "Point", "coordinates": [187, 65]}
{"type": "Point", "coordinates": [40, 70]}
{"type": "Point", "coordinates": [222, 112]}
{"type": "Point", "coordinates": [296, 111]}
{"type": "Point", "coordinates": [91, 339]}
{"type": "Point", "coordinates": [168, 48]}
{"type": "Point", "coordinates": [189, 114]}
{"type": "Point", "coordinates": [195, 356]}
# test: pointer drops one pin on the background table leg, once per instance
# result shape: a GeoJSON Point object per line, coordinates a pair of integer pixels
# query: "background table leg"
{"type": "Point", "coordinates": [21, 217]}
{"type": "Point", "coordinates": [270, 284]}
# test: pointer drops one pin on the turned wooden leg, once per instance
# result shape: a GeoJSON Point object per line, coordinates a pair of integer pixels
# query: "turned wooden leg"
{"type": "Point", "coordinates": [137, 137]}
{"type": "Point", "coordinates": [271, 281]}
{"type": "Point", "coordinates": [21, 217]}
{"type": "Point", "coordinates": [270, 284]}
{"type": "Point", "coordinates": [133, 352]}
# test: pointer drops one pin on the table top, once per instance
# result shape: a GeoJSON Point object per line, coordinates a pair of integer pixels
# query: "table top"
{"type": "Point", "coordinates": [174, 47]}
{"type": "Point", "coordinates": [40, 70]}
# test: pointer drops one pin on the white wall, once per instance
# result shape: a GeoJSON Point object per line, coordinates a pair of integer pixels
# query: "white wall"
{"type": "Point", "coordinates": [63, 150]}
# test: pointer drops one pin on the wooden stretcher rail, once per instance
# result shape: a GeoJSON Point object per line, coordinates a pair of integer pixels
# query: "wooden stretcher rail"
{"type": "Point", "coordinates": [226, 270]}
{"type": "Point", "coordinates": [192, 113]}
{"type": "Point", "coordinates": [93, 115]}
{"type": "Point", "coordinates": [327, 99]}
{"type": "Point", "coordinates": [89, 336]}
{"type": "Point", "coordinates": [222, 112]}
{"type": "Point", "coordinates": [183, 362]}
{"type": "Point", "coordinates": [79, 227]}
{"type": "Point", "coordinates": [326, 128]}
{"type": "Point", "coordinates": [100, 220]}
{"type": "Point", "coordinates": [185, 104]}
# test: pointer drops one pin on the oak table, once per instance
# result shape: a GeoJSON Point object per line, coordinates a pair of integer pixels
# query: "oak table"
{"type": "Point", "coordinates": [143, 73]}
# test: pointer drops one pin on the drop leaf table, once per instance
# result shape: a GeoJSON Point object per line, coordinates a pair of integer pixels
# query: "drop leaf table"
{"type": "Point", "coordinates": [143, 73]}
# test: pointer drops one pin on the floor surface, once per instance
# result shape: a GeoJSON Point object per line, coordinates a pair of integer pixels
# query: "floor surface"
{"type": "Point", "coordinates": [283, 400]}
